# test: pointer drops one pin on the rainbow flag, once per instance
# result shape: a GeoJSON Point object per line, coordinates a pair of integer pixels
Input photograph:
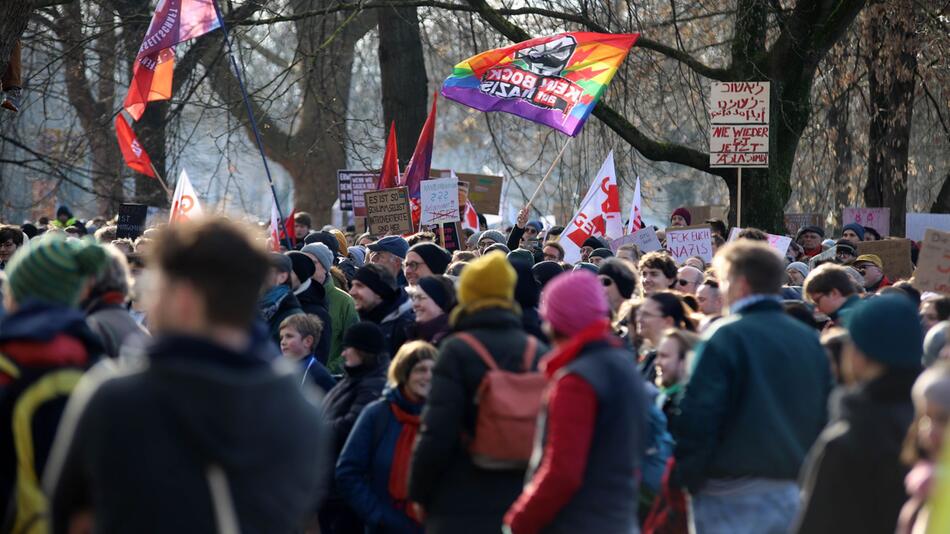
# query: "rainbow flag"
{"type": "Point", "coordinates": [554, 80]}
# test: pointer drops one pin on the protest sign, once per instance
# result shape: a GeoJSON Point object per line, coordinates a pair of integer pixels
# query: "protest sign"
{"type": "Point", "coordinates": [826, 256]}
{"type": "Point", "coordinates": [351, 185]}
{"type": "Point", "coordinates": [933, 264]}
{"type": "Point", "coordinates": [440, 200]}
{"type": "Point", "coordinates": [645, 239]}
{"type": "Point", "coordinates": [131, 221]}
{"type": "Point", "coordinates": [387, 211]}
{"type": "Point", "coordinates": [484, 190]}
{"type": "Point", "coordinates": [684, 242]}
{"type": "Point", "coordinates": [778, 242]}
{"type": "Point", "coordinates": [877, 218]}
{"type": "Point", "coordinates": [918, 223]}
{"type": "Point", "coordinates": [739, 124]}
{"type": "Point", "coordinates": [796, 221]}
{"type": "Point", "coordinates": [894, 254]}
{"type": "Point", "coordinates": [701, 214]}
{"type": "Point", "coordinates": [453, 235]}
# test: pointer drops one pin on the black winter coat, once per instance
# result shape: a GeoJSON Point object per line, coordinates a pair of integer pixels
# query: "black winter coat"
{"type": "Point", "coordinates": [459, 497]}
{"type": "Point", "coordinates": [853, 479]}
{"type": "Point", "coordinates": [360, 386]}
{"type": "Point", "coordinates": [313, 300]}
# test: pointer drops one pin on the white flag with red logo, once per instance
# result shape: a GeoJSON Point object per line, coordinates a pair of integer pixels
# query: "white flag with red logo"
{"type": "Point", "coordinates": [636, 211]}
{"type": "Point", "coordinates": [185, 205]}
{"type": "Point", "coordinates": [598, 216]}
{"type": "Point", "coordinates": [471, 217]}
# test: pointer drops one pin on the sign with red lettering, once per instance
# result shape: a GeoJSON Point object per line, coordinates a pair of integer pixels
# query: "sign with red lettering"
{"type": "Point", "coordinates": [739, 124]}
{"type": "Point", "coordinates": [877, 218]}
{"type": "Point", "coordinates": [933, 264]}
{"type": "Point", "coordinates": [684, 242]}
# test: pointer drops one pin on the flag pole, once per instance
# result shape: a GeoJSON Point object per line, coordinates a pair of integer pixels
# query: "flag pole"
{"type": "Point", "coordinates": [250, 114]}
{"type": "Point", "coordinates": [161, 181]}
{"type": "Point", "coordinates": [553, 164]}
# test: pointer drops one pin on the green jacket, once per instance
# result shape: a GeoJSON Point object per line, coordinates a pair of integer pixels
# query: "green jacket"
{"type": "Point", "coordinates": [342, 316]}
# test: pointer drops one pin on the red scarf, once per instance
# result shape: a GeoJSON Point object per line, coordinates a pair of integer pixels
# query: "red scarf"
{"type": "Point", "coordinates": [399, 472]}
{"type": "Point", "coordinates": [599, 330]}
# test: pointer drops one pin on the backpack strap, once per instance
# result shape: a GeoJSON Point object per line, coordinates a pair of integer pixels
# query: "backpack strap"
{"type": "Point", "coordinates": [530, 349]}
{"type": "Point", "coordinates": [479, 349]}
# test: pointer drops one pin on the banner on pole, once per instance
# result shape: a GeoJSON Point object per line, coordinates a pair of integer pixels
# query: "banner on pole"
{"type": "Point", "coordinates": [185, 204]}
{"type": "Point", "coordinates": [739, 124]}
{"type": "Point", "coordinates": [684, 242]}
{"type": "Point", "coordinates": [440, 201]}
{"type": "Point", "coordinates": [387, 211]}
{"type": "Point", "coordinates": [598, 216]}
{"type": "Point", "coordinates": [877, 218]}
{"type": "Point", "coordinates": [933, 264]}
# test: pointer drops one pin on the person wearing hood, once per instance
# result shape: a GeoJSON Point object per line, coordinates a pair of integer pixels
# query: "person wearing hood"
{"type": "Point", "coordinates": [425, 259]}
{"type": "Point", "coordinates": [853, 232]}
{"type": "Point", "coordinates": [594, 421]}
{"type": "Point", "coordinates": [278, 301]}
{"type": "Point", "coordinates": [527, 295]}
{"type": "Point", "coordinates": [433, 298]}
{"type": "Point", "coordinates": [64, 218]}
{"type": "Point", "coordinates": [340, 304]}
{"type": "Point", "coordinates": [809, 237]}
{"type": "Point", "coordinates": [379, 300]}
{"type": "Point", "coordinates": [373, 469]}
{"type": "Point", "coordinates": [861, 446]}
{"type": "Point", "coordinates": [457, 495]}
{"type": "Point", "coordinates": [211, 431]}
{"type": "Point", "coordinates": [106, 308]}
{"type": "Point", "coordinates": [312, 299]}
{"type": "Point", "coordinates": [45, 345]}
{"type": "Point", "coordinates": [681, 217]}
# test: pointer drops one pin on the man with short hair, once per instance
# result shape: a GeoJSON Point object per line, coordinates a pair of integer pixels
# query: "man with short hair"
{"type": "Point", "coordinates": [688, 279]}
{"type": "Point", "coordinates": [390, 252]}
{"type": "Point", "coordinates": [11, 238]}
{"type": "Point", "coordinates": [831, 290]}
{"type": "Point", "coordinates": [553, 251]}
{"type": "Point", "coordinates": [278, 300]}
{"type": "Point", "coordinates": [341, 306]}
{"type": "Point", "coordinates": [754, 405]}
{"type": "Point", "coordinates": [379, 300]}
{"type": "Point", "coordinates": [708, 298]}
{"type": "Point", "coordinates": [302, 225]}
{"type": "Point", "coordinates": [872, 269]}
{"type": "Point", "coordinates": [211, 435]}
{"type": "Point", "coordinates": [657, 272]}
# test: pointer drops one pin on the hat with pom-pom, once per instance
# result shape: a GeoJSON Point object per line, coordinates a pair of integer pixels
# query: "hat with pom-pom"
{"type": "Point", "coordinates": [54, 269]}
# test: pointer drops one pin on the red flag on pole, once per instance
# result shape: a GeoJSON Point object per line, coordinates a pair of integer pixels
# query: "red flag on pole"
{"type": "Point", "coordinates": [421, 162]}
{"type": "Point", "coordinates": [389, 173]}
{"type": "Point", "coordinates": [135, 156]}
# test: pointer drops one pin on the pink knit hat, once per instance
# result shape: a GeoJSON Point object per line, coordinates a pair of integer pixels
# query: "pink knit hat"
{"type": "Point", "coordinates": [572, 301]}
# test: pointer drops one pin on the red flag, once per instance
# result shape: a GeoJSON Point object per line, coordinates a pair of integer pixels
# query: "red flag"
{"type": "Point", "coordinates": [421, 162]}
{"type": "Point", "coordinates": [135, 156]}
{"type": "Point", "coordinates": [151, 81]}
{"type": "Point", "coordinates": [471, 216]}
{"type": "Point", "coordinates": [389, 173]}
{"type": "Point", "coordinates": [291, 229]}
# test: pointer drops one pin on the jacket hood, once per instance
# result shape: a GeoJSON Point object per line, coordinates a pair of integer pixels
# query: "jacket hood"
{"type": "Point", "coordinates": [39, 323]}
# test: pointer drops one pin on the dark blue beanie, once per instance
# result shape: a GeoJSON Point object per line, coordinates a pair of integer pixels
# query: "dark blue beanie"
{"type": "Point", "coordinates": [887, 330]}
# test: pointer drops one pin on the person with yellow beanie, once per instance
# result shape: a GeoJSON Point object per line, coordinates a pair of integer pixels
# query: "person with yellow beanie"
{"type": "Point", "coordinates": [458, 496]}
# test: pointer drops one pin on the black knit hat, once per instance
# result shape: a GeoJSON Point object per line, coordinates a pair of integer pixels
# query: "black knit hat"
{"type": "Point", "coordinates": [440, 289]}
{"type": "Point", "coordinates": [365, 336]}
{"type": "Point", "coordinates": [602, 253]}
{"type": "Point", "coordinates": [845, 245]}
{"type": "Point", "coordinates": [435, 257]}
{"type": "Point", "coordinates": [621, 275]}
{"type": "Point", "coordinates": [545, 271]}
{"type": "Point", "coordinates": [326, 238]}
{"type": "Point", "coordinates": [378, 279]}
{"type": "Point", "coordinates": [593, 242]}
{"type": "Point", "coordinates": [302, 265]}
{"type": "Point", "coordinates": [806, 229]}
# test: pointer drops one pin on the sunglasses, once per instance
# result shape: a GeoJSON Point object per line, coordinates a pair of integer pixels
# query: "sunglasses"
{"type": "Point", "coordinates": [683, 283]}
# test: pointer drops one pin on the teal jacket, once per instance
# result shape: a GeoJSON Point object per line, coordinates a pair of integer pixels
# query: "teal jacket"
{"type": "Point", "coordinates": [756, 399]}
{"type": "Point", "coordinates": [342, 316]}
{"type": "Point", "coordinates": [839, 315]}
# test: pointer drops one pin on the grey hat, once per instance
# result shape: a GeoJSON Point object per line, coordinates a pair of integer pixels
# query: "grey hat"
{"type": "Point", "coordinates": [800, 267]}
{"type": "Point", "coordinates": [321, 252]}
{"type": "Point", "coordinates": [280, 262]}
{"type": "Point", "coordinates": [934, 342]}
{"type": "Point", "coordinates": [494, 235]}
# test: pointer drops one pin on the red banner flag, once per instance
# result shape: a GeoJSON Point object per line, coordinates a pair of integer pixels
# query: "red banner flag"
{"type": "Point", "coordinates": [421, 162]}
{"type": "Point", "coordinates": [133, 153]}
{"type": "Point", "coordinates": [389, 173]}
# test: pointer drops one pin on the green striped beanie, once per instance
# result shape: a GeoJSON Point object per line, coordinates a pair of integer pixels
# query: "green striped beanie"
{"type": "Point", "coordinates": [54, 268]}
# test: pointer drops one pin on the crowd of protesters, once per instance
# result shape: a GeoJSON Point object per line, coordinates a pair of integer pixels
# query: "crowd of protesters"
{"type": "Point", "coordinates": [195, 379]}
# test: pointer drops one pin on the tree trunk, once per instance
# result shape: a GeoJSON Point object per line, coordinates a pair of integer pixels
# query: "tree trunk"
{"type": "Point", "coordinates": [150, 131]}
{"type": "Point", "coordinates": [942, 202]}
{"type": "Point", "coordinates": [892, 65]}
{"type": "Point", "coordinates": [837, 119]}
{"type": "Point", "coordinates": [403, 76]}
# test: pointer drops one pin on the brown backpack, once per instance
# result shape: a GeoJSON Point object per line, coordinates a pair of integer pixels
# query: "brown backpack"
{"type": "Point", "coordinates": [508, 406]}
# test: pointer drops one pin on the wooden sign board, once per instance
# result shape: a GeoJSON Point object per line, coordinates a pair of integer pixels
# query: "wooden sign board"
{"type": "Point", "coordinates": [388, 212]}
{"type": "Point", "coordinates": [739, 124]}
{"type": "Point", "coordinates": [933, 264]}
{"type": "Point", "coordinates": [683, 242]}
{"type": "Point", "coordinates": [894, 254]}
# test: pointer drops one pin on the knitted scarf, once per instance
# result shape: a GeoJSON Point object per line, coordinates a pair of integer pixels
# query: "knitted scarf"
{"type": "Point", "coordinates": [270, 302]}
{"type": "Point", "coordinates": [399, 472]}
{"type": "Point", "coordinates": [599, 330]}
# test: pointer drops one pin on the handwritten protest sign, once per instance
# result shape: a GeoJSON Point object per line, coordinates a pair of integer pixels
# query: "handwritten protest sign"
{"type": "Point", "coordinates": [350, 186]}
{"type": "Point", "coordinates": [683, 242]}
{"type": "Point", "coordinates": [739, 124]}
{"type": "Point", "coordinates": [778, 242]}
{"type": "Point", "coordinates": [918, 223]}
{"type": "Point", "coordinates": [453, 236]}
{"type": "Point", "coordinates": [795, 221]}
{"type": "Point", "coordinates": [877, 218]}
{"type": "Point", "coordinates": [645, 239]}
{"type": "Point", "coordinates": [484, 190]}
{"type": "Point", "coordinates": [440, 201]}
{"type": "Point", "coordinates": [387, 211]}
{"type": "Point", "coordinates": [894, 254]}
{"type": "Point", "coordinates": [933, 264]}
{"type": "Point", "coordinates": [131, 221]}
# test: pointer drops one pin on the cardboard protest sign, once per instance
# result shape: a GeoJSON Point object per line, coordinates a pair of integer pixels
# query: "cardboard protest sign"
{"type": "Point", "coordinates": [918, 223]}
{"type": "Point", "coordinates": [131, 221]}
{"type": "Point", "coordinates": [828, 255]}
{"type": "Point", "coordinates": [388, 212]}
{"type": "Point", "coordinates": [703, 213]}
{"type": "Point", "coordinates": [795, 221]}
{"type": "Point", "coordinates": [484, 190]}
{"type": "Point", "coordinates": [778, 242]}
{"type": "Point", "coordinates": [933, 264]}
{"type": "Point", "coordinates": [877, 218]}
{"type": "Point", "coordinates": [739, 124]}
{"type": "Point", "coordinates": [645, 239]}
{"type": "Point", "coordinates": [894, 254]}
{"type": "Point", "coordinates": [350, 186]}
{"type": "Point", "coordinates": [684, 242]}
{"type": "Point", "coordinates": [440, 200]}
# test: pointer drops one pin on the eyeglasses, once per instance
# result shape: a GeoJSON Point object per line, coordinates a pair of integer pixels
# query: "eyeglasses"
{"type": "Point", "coordinates": [419, 296]}
{"type": "Point", "coordinates": [413, 265]}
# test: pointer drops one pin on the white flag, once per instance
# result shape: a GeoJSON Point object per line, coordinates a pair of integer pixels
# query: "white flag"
{"type": "Point", "coordinates": [185, 205]}
{"type": "Point", "coordinates": [598, 216]}
{"type": "Point", "coordinates": [636, 211]}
